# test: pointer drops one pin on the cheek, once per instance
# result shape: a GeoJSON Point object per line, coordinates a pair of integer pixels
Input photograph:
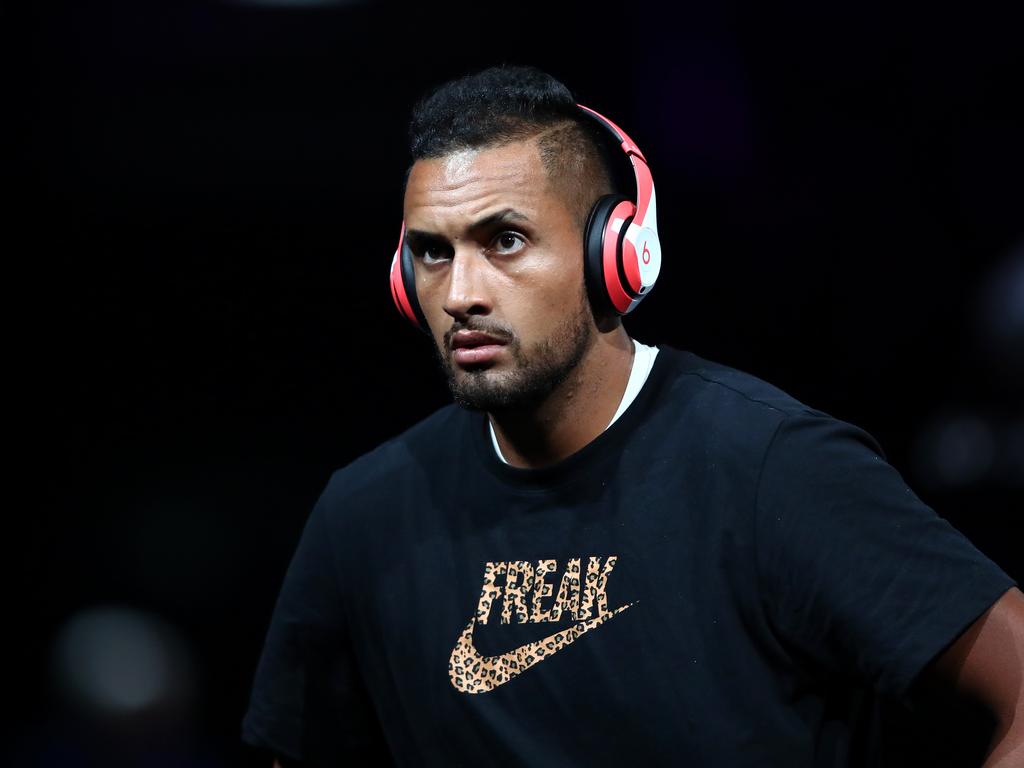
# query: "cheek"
{"type": "Point", "coordinates": [562, 284]}
{"type": "Point", "coordinates": [437, 331]}
{"type": "Point", "coordinates": [431, 299]}
{"type": "Point", "coordinates": [552, 296]}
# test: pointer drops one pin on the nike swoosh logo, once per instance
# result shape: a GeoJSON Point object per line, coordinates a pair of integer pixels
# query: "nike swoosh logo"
{"type": "Point", "coordinates": [472, 672]}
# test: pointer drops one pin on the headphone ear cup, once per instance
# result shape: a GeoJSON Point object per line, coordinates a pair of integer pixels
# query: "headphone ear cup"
{"type": "Point", "coordinates": [603, 255]}
{"type": "Point", "coordinates": [593, 253]}
{"type": "Point", "coordinates": [409, 281]}
{"type": "Point", "coordinates": [403, 285]}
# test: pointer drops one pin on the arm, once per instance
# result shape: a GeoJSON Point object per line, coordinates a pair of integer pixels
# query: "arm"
{"type": "Point", "coordinates": [309, 703]}
{"type": "Point", "coordinates": [986, 663]}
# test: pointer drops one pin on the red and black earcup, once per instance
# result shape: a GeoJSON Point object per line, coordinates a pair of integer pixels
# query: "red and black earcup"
{"type": "Point", "coordinates": [607, 283]}
{"type": "Point", "coordinates": [403, 285]}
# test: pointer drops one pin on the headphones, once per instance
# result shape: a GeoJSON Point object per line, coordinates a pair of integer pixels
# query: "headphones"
{"type": "Point", "coordinates": [622, 253]}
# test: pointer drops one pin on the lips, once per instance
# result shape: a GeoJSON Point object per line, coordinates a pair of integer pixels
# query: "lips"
{"type": "Point", "coordinates": [475, 348]}
{"type": "Point", "coordinates": [472, 339]}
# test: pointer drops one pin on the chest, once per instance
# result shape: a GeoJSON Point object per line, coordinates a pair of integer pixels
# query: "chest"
{"type": "Point", "coordinates": [591, 588]}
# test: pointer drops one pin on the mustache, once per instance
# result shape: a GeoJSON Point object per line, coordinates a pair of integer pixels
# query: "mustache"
{"type": "Point", "coordinates": [500, 332]}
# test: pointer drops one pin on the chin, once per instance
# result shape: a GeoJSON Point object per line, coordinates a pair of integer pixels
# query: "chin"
{"type": "Point", "coordinates": [496, 392]}
{"type": "Point", "coordinates": [481, 389]}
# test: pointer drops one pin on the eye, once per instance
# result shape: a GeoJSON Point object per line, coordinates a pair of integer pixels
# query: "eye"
{"type": "Point", "coordinates": [432, 254]}
{"type": "Point", "coordinates": [509, 242]}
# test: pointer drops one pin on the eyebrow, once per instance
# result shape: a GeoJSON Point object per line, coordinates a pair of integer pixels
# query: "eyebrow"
{"type": "Point", "coordinates": [487, 222]}
{"type": "Point", "coordinates": [502, 216]}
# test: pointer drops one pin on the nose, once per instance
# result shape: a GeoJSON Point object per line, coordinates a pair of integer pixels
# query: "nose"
{"type": "Point", "coordinates": [467, 281]}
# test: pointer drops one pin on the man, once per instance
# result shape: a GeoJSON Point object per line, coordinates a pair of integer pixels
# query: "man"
{"type": "Point", "coordinates": [610, 554]}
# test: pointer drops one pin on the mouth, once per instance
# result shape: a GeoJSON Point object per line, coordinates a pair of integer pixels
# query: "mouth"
{"type": "Point", "coordinates": [473, 348]}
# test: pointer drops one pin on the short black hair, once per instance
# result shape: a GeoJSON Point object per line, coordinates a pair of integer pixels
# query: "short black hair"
{"type": "Point", "coordinates": [508, 103]}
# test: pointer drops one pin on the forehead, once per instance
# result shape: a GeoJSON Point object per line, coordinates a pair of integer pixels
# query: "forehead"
{"type": "Point", "coordinates": [458, 188]}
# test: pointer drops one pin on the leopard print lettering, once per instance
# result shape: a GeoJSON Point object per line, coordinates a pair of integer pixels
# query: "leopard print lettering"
{"type": "Point", "coordinates": [541, 589]}
{"type": "Point", "coordinates": [489, 592]}
{"type": "Point", "coordinates": [568, 599]}
{"type": "Point", "coordinates": [597, 584]}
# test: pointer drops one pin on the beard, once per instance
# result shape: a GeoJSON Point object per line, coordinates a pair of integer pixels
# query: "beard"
{"type": "Point", "coordinates": [536, 372]}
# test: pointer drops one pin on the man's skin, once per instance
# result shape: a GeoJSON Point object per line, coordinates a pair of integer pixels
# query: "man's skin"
{"type": "Point", "coordinates": [986, 663]}
{"type": "Point", "coordinates": [521, 280]}
{"type": "Point", "coordinates": [522, 277]}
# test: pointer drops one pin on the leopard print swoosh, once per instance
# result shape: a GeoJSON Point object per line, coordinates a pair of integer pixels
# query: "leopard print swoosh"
{"type": "Point", "coordinates": [472, 672]}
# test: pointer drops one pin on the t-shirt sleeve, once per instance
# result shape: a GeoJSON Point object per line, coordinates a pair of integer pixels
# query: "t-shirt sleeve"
{"type": "Point", "coordinates": [861, 578]}
{"type": "Point", "coordinates": [308, 702]}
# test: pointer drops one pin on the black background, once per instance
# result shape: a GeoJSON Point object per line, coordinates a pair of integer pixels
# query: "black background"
{"type": "Point", "coordinates": [206, 197]}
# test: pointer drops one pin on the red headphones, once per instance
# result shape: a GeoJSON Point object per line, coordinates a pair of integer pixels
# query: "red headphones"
{"type": "Point", "coordinates": [622, 253]}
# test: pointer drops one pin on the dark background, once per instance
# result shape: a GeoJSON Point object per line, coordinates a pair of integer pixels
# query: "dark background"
{"type": "Point", "coordinates": [206, 198]}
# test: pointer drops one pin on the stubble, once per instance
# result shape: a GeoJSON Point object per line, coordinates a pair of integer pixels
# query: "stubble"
{"type": "Point", "coordinates": [536, 372]}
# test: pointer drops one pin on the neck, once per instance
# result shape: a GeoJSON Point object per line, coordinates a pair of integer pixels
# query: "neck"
{"type": "Point", "coordinates": [574, 413]}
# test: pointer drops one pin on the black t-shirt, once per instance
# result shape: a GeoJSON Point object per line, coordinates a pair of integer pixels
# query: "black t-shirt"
{"type": "Point", "coordinates": [724, 577]}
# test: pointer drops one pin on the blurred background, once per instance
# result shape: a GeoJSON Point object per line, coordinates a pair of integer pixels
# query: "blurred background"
{"type": "Point", "coordinates": [205, 198]}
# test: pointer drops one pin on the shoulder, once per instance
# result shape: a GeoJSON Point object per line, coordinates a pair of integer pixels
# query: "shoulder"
{"type": "Point", "coordinates": [743, 421]}
{"type": "Point", "coordinates": [724, 404]}
{"type": "Point", "coordinates": [389, 468]}
{"type": "Point", "coordinates": [729, 388]}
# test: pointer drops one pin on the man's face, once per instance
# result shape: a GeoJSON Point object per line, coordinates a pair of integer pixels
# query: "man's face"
{"type": "Point", "coordinates": [499, 274]}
